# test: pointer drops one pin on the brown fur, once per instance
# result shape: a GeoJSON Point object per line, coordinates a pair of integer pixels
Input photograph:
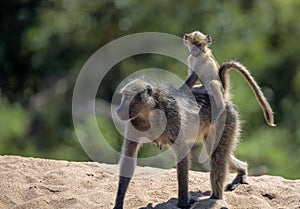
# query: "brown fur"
{"type": "Point", "coordinates": [265, 106]}
{"type": "Point", "coordinates": [162, 98]}
{"type": "Point", "coordinates": [196, 41]}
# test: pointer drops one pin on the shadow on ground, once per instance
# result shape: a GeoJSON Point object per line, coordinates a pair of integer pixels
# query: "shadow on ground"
{"type": "Point", "coordinates": [198, 200]}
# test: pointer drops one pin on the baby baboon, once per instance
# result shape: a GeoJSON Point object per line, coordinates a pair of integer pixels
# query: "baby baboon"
{"type": "Point", "coordinates": [182, 112]}
{"type": "Point", "coordinates": [204, 67]}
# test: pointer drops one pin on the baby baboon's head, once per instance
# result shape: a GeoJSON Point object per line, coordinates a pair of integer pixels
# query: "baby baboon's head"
{"type": "Point", "coordinates": [137, 100]}
{"type": "Point", "coordinates": [197, 39]}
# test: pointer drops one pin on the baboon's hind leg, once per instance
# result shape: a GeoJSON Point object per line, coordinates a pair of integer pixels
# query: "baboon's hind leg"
{"type": "Point", "coordinates": [219, 166]}
{"type": "Point", "coordinates": [241, 168]}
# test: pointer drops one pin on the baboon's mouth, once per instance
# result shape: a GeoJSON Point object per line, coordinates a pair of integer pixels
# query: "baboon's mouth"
{"type": "Point", "coordinates": [123, 117]}
{"type": "Point", "coordinates": [135, 117]}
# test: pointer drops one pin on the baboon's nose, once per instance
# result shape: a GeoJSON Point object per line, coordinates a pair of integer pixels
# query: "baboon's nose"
{"type": "Point", "coordinates": [122, 115]}
{"type": "Point", "coordinates": [119, 112]}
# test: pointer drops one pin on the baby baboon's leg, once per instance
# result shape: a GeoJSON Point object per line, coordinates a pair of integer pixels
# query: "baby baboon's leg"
{"type": "Point", "coordinates": [215, 133]}
{"type": "Point", "coordinates": [181, 151]}
{"type": "Point", "coordinates": [219, 167]}
{"type": "Point", "coordinates": [216, 96]}
{"type": "Point", "coordinates": [218, 117]}
{"type": "Point", "coordinates": [235, 165]}
{"type": "Point", "coordinates": [128, 163]}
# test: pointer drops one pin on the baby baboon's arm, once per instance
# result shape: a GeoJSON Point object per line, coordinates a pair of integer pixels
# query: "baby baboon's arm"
{"type": "Point", "coordinates": [191, 80]}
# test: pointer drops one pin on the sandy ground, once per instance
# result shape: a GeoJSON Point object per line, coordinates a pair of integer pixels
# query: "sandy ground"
{"type": "Point", "coordinates": [40, 183]}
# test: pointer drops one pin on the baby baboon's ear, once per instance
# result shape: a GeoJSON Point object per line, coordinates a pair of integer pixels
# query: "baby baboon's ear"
{"type": "Point", "coordinates": [185, 36]}
{"type": "Point", "coordinates": [149, 90]}
{"type": "Point", "coordinates": [208, 40]}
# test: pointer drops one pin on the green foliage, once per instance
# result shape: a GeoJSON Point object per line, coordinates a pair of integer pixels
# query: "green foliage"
{"type": "Point", "coordinates": [110, 133]}
{"type": "Point", "coordinates": [43, 46]}
{"type": "Point", "coordinates": [14, 123]}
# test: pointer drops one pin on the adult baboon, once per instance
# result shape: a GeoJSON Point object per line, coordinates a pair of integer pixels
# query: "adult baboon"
{"type": "Point", "coordinates": [142, 104]}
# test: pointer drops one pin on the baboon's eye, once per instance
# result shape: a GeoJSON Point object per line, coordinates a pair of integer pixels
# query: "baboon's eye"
{"type": "Point", "coordinates": [149, 90]}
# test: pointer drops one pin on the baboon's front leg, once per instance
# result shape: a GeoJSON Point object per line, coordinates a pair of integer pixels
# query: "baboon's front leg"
{"type": "Point", "coordinates": [182, 177]}
{"type": "Point", "coordinates": [181, 151]}
{"type": "Point", "coordinates": [128, 163]}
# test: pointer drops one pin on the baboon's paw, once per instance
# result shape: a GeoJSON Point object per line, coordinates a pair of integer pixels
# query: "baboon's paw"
{"type": "Point", "coordinates": [183, 205]}
{"type": "Point", "coordinates": [244, 180]}
{"type": "Point", "coordinates": [215, 197]}
{"type": "Point", "coordinates": [231, 187]}
{"type": "Point", "coordinates": [239, 179]}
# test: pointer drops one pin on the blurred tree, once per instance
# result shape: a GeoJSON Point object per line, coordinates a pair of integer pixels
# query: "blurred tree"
{"type": "Point", "coordinates": [44, 44]}
{"type": "Point", "coordinates": [15, 17]}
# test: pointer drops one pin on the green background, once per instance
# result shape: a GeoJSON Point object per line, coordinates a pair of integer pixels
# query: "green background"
{"type": "Point", "coordinates": [44, 44]}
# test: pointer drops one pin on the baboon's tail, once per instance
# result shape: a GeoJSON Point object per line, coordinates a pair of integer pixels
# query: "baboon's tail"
{"type": "Point", "coordinates": [265, 106]}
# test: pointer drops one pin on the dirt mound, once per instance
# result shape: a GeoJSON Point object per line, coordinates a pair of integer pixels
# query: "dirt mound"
{"type": "Point", "coordinates": [40, 183]}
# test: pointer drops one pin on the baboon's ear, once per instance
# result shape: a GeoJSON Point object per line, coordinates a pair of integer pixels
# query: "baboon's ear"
{"type": "Point", "coordinates": [149, 90]}
{"type": "Point", "coordinates": [208, 40]}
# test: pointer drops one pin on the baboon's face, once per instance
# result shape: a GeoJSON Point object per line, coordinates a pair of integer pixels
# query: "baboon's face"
{"type": "Point", "coordinates": [197, 38]}
{"type": "Point", "coordinates": [134, 105]}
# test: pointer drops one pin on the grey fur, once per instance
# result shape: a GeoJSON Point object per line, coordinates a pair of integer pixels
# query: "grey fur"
{"type": "Point", "coordinates": [181, 111]}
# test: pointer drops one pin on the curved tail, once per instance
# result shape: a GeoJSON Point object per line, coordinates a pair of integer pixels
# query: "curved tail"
{"type": "Point", "coordinates": [265, 106]}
